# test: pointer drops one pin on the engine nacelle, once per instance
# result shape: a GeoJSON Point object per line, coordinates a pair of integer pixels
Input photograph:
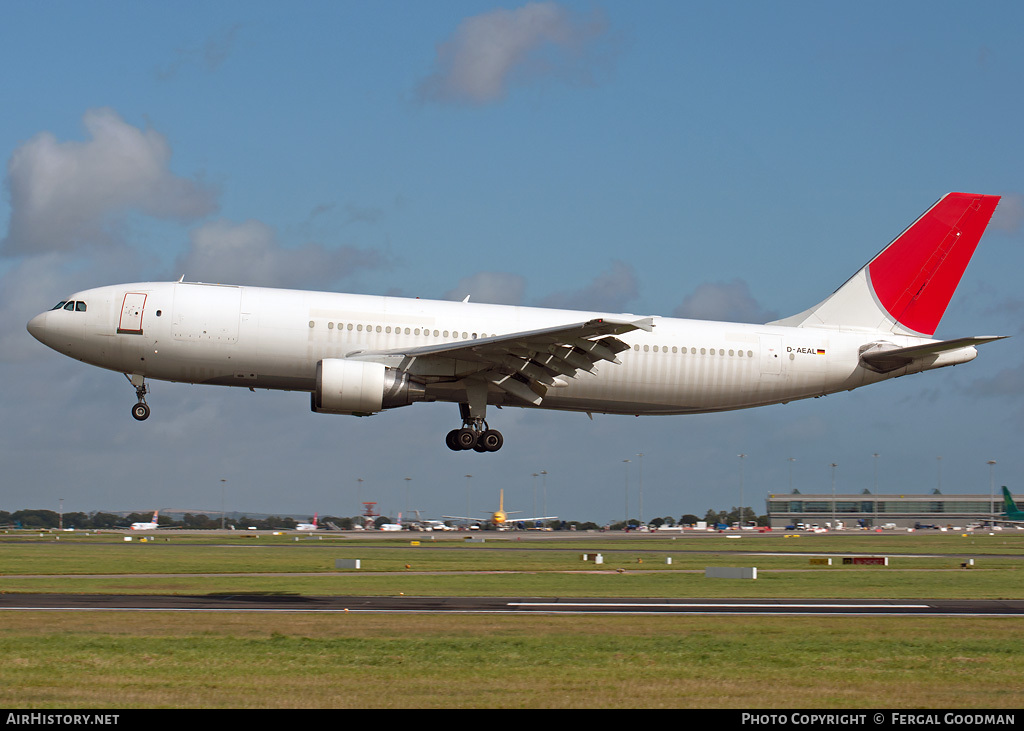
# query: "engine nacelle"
{"type": "Point", "coordinates": [361, 388]}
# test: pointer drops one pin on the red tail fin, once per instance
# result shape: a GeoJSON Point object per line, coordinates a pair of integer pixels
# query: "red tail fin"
{"type": "Point", "coordinates": [915, 276]}
{"type": "Point", "coordinates": [906, 288]}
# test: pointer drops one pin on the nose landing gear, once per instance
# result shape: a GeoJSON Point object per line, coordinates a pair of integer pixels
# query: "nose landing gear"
{"type": "Point", "coordinates": [140, 411]}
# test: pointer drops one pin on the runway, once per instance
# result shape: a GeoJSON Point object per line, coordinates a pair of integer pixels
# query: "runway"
{"type": "Point", "coordinates": [504, 605]}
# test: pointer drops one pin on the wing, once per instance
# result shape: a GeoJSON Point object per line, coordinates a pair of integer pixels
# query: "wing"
{"type": "Point", "coordinates": [533, 520]}
{"type": "Point", "coordinates": [525, 364]}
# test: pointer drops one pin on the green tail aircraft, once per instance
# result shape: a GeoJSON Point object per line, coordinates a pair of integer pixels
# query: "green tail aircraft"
{"type": "Point", "coordinates": [1010, 509]}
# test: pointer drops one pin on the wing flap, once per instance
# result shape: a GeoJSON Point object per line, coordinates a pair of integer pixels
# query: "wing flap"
{"type": "Point", "coordinates": [524, 364]}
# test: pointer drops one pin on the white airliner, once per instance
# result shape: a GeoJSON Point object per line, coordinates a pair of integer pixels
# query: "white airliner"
{"type": "Point", "coordinates": [308, 526]}
{"type": "Point", "coordinates": [359, 354]}
{"type": "Point", "coordinates": [151, 525]}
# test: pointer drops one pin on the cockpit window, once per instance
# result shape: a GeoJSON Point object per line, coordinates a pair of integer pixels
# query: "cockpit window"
{"type": "Point", "coordinates": [70, 306]}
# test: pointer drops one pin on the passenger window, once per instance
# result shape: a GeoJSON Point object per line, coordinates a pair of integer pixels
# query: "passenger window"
{"type": "Point", "coordinates": [79, 307]}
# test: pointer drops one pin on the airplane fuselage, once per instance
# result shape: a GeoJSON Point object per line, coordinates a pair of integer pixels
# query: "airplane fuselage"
{"type": "Point", "coordinates": [273, 339]}
{"type": "Point", "coordinates": [360, 355]}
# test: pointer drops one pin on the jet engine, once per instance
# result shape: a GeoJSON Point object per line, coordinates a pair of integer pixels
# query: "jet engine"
{"type": "Point", "coordinates": [361, 388]}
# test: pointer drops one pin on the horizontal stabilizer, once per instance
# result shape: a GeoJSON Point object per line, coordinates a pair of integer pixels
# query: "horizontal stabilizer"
{"type": "Point", "coordinates": [884, 357]}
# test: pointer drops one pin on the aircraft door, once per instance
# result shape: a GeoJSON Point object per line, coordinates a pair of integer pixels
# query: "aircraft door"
{"type": "Point", "coordinates": [132, 309]}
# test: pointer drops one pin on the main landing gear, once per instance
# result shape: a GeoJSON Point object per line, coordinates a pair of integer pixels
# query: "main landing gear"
{"type": "Point", "coordinates": [474, 434]}
{"type": "Point", "coordinates": [140, 411]}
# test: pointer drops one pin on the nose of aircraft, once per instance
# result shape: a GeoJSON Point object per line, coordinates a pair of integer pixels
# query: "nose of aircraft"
{"type": "Point", "coordinates": [37, 326]}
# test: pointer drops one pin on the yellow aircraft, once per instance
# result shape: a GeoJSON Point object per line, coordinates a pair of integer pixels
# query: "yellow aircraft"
{"type": "Point", "coordinates": [500, 518]}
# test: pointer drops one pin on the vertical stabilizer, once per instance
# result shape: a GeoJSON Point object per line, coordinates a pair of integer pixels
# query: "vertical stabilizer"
{"type": "Point", "coordinates": [1010, 509]}
{"type": "Point", "coordinates": [905, 289]}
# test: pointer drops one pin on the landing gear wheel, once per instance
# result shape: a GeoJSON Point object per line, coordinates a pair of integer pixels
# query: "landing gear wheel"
{"type": "Point", "coordinates": [465, 438]}
{"type": "Point", "coordinates": [474, 434]}
{"type": "Point", "coordinates": [140, 411]}
{"type": "Point", "coordinates": [491, 440]}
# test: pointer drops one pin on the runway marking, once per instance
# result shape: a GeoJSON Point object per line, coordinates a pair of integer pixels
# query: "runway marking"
{"type": "Point", "coordinates": [707, 605]}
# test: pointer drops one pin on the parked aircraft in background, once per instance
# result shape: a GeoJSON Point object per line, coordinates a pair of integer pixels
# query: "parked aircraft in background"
{"type": "Point", "coordinates": [151, 525]}
{"type": "Point", "coordinates": [360, 355]}
{"type": "Point", "coordinates": [499, 518]}
{"type": "Point", "coordinates": [1011, 513]}
{"type": "Point", "coordinates": [308, 526]}
{"type": "Point", "coordinates": [423, 524]}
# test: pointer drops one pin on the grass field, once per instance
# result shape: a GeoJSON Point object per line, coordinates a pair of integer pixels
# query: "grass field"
{"type": "Point", "coordinates": [150, 660]}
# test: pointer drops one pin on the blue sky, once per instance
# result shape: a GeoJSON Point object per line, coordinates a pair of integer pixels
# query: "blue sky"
{"type": "Point", "coordinates": [719, 160]}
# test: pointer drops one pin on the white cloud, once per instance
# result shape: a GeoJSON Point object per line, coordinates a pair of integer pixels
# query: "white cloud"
{"type": "Point", "coordinates": [728, 301]}
{"type": "Point", "coordinates": [489, 51]}
{"type": "Point", "coordinates": [498, 288]}
{"type": "Point", "coordinates": [249, 253]}
{"type": "Point", "coordinates": [610, 291]}
{"type": "Point", "coordinates": [68, 194]}
{"type": "Point", "coordinates": [1009, 215]}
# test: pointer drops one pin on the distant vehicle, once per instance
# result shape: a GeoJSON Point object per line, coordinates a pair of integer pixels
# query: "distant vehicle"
{"type": "Point", "coordinates": [391, 526]}
{"type": "Point", "coordinates": [309, 526]}
{"type": "Point", "coordinates": [152, 525]}
{"type": "Point", "coordinates": [499, 518]}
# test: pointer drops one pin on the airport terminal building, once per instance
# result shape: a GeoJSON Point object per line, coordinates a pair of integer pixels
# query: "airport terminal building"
{"type": "Point", "coordinates": [900, 511]}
